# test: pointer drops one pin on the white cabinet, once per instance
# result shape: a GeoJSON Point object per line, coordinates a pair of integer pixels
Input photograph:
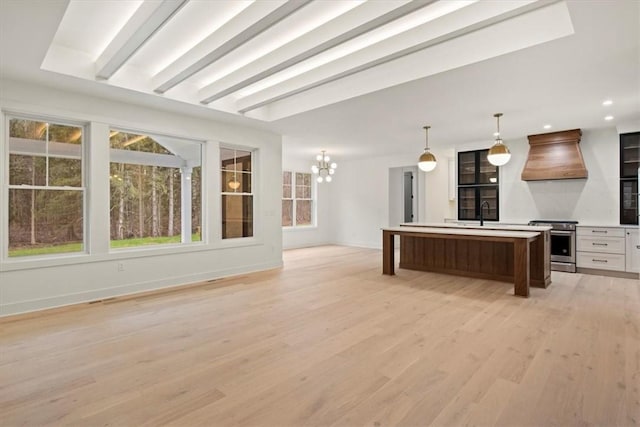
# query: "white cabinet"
{"type": "Point", "coordinates": [601, 248]}
{"type": "Point", "coordinates": [632, 250]}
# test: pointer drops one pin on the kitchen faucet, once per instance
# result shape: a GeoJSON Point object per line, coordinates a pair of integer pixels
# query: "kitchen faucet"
{"type": "Point", "coordinates": [482, 205]}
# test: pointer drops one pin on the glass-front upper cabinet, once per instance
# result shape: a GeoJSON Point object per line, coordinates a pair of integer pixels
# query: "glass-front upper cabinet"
{"type": "Point", "coordinates": [629, 201]}
{"type": "Point", "coordinates": [629, 155]}
{"type": "Point", "coordinates": [467, 168]}
{"type": "Point", "coordinates": [477, 183]}
{"type": "Point", "coordinates": [629, 164]}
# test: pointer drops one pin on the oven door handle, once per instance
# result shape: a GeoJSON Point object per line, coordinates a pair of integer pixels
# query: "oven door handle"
{"type": "Point", "coordinates": [562, 233]}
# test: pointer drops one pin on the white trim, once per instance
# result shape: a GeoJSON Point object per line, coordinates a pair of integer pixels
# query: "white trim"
{"type": "Point", "coordinates": [84, 157]}
{"type": "Point", "coordinates": [129, 289]}
{"type": "Point", "coordinates": [314, 204]}
{"type": "Point", "coordinates": [44, 187]}
{"type": "Point", "coordinates": [253, 151]}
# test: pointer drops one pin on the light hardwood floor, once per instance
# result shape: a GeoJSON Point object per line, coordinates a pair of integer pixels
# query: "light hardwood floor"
{"type": "Point", "coordinates": [328, 340]}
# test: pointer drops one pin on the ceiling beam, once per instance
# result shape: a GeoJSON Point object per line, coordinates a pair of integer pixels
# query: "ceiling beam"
{"type": "Point", "coordinates": [333, 42]}
{"type": "Point", "coordinates": [238, 40]}
{"type": "Point", "coordinates": [144, 23]}
{"type": "Point", "coordinates": [504, 12]}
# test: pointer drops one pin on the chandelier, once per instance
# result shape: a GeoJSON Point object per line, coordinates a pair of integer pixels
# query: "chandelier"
{"type": "Point", "coordinates": [323, 169]}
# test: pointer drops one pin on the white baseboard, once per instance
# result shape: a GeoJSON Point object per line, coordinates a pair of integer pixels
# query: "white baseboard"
{"type": "Point", "coordinates": [57, 301]}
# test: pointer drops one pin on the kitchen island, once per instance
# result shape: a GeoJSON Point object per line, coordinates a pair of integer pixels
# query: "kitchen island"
{"type": "Point", "coordinates": [496, 254]}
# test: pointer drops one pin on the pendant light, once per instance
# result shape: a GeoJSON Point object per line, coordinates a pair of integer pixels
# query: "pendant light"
{"type": "Point", "coordinates": [427, 161]}
{"type": "Point", "coordinates": [499, 154]}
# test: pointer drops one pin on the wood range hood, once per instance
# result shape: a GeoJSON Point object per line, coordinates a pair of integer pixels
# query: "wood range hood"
{"type": "Point", "coordinates": [554, 155]}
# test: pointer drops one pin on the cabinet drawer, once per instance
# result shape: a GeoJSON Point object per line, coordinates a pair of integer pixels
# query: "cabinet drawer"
{"type": "Point", "coordinates": [610, 245]}
{"type": "Point", "coordinates": [600, 231]}
{"type": "Point", "coordinates": [600, 261]}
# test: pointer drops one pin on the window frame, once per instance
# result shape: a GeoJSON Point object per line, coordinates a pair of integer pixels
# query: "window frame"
{"type": "Point", "coordinates": [5, 118]}
{"type": "Point", "coordinates": [252, 173]}
{"type": "Point", "coordinates": [203, 224]}
{"type": "Point", "coordinates": [294, 199]}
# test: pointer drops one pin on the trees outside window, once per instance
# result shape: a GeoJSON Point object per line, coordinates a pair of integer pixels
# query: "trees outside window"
{"type": "Point", "coordinates": [237, 193]}
{"type": "Point", "coordinates": [46, 188]}
{"type": "Point", "coordinates": [297, 201]}
{"type": "Point", "coordinates": [155, 184]}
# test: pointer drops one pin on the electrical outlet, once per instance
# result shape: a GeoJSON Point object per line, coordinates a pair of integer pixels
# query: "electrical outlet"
{"type": "Point", "coordinates": [120, 266]}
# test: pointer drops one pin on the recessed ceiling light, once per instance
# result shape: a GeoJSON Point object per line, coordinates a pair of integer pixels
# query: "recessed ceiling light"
{"type": "Point", "coordinates": [547, 126]}
{"type": "Point", "coordinates": [608, 118]}
{"type": "Point", "coordinates": [607, 102]}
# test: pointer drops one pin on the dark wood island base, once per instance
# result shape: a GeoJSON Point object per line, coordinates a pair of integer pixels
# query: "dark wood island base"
{"type": "Point", "coordinates": [509, 256]}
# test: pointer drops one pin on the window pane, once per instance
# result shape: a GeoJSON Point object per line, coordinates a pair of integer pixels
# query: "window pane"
{"type": "Point", "coordinates": [236, 182]}
{"type": "Point", "coordinates": [237, 209]}
{"type": "Point", "coordinates": [286, 178]}
{"type": "Point", "coordinates": [235, 159]}
{"type": "Point", "coordinates": [28, 129]}
{"type": "Point", "coordinates": [146, 189]}
{"type": "Point", "coordinates": [303, 186]}
{"type": "Point", "coordinates": [136, 142]}
{"type": "Point", "coordinates": [145, 205]}
{"type": "Point", "coordinates": [303, 212]}
{"type": "Point", "coordinates": [45, 222]}
{"type": "Point", "coordinates": [237, 216]}
{"type": "Point", "coordinates": [244, 160]}
{"type": "Point", "coordinates": [27, 170]}
{"type": "Point", "coordinates": [65, 172]}
{"type": "Point", "coordinates": [286, 191]}
{"type": "Point", "coordinates": [286, 185]}
{"type": "Point", "coordinates": [287, 213]}
{"type": "Point", "coordinates": [196, 204]}
{"type": "Point", "coordinates": [38, 149]}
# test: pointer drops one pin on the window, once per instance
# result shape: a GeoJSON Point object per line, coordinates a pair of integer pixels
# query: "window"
{"type": "Point", "coordinates": [155, 195]}
{"type": "Point", "coordinates": [46, 188]}
{"type": "Point", "coordinates": [237, 193]}
{"type": "Point", "coordinates": [477, 184]}
{"type": "Point", "coordinates": [297, 203]}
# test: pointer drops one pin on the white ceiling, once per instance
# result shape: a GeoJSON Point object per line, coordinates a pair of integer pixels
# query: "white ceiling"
{"type": "Point", "coordinates": [352, 77]}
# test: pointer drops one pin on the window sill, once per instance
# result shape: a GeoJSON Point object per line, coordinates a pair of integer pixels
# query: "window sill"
{"type": "Point", "coordinates": [27, 263]}
{"type": "Point", "coordinates": [300, 228]}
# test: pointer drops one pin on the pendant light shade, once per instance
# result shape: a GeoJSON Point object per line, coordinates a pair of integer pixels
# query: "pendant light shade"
{"type": "Point", "coordinates": [499, 153]}
{"type": "Point", "coordinates": [427, 161]}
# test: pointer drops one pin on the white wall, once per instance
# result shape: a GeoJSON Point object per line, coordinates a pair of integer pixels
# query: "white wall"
{"type": "Point", "coordinates": [32, 284]}
{"type": "Point", "coordinates": [360, 198]}
{"type": "Point", "coordinates": [320, 233]}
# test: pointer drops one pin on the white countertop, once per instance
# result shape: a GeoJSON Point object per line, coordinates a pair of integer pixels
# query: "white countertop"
{"type": "Point", "coordinates": [466, 231]}
{"type": "Point", "coordinates": [608, 226]}
{"type": "Point", "coordinates": [492, 226]}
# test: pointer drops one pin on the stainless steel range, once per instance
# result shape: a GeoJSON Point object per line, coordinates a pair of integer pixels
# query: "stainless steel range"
{"type": "Point", "coordinates": [563, 244]}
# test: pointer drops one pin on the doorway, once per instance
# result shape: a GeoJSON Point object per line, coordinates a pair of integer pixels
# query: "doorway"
{"type": "Point", "coordinates": [403, 195]}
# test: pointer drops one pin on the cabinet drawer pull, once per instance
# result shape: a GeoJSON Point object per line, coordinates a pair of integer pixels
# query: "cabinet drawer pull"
{"type": "Point", "coordinates": [599, 231]}
{"type": "Point", "coordinates": [599, 244]}
{"type": "Point", "coordinates": [598, 260]}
